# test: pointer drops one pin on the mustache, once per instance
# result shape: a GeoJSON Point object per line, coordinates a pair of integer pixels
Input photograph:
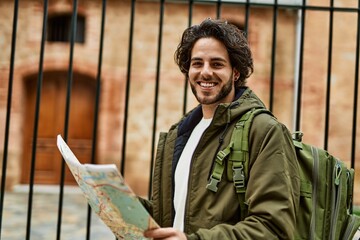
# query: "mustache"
{"type": "Point", "coordinates": [204, 78]}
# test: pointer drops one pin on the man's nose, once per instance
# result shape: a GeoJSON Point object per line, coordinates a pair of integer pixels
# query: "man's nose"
{"type": "Point", "coordinates": [206, 71]}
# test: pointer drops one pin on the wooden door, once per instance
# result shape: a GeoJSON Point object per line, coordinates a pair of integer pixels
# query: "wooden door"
{"type": "Point", "coordinates": [51, 122]}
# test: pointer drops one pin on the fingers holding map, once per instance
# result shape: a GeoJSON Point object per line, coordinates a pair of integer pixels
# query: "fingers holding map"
{"type": "Point", "coordinates": [109, 196]}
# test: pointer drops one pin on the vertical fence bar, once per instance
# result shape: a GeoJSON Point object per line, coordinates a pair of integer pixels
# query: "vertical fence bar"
{"type": "Point", "coordinates": [96, 111]}
{"type": "Point", "coordinates": [36, 121]}
{"type": "Point", "coordinates": [67, 112]}
{"type": "Point", "coordinates": [161, 22]}
{"type": "Point", "coordinates": [300, 74]}
{"type": "Point", "coordinates": [273, 57]}
{"type": "Point", "coordinates": [127, 90]}
{"type": "Point", "coordinates": [247, 14]}
{"type": "Point", "coordinates": [356, 87]}
{"type": "Point", "coordinates": [191, 4]}
{"type": "Point", "coordinates": [8, 110]}
{"type": "Point", "coordinates": [218, 9]}
{"type": "Point", "coordinates": [328, 83]}
{"type": "Point", "coordinates": [122, 168]}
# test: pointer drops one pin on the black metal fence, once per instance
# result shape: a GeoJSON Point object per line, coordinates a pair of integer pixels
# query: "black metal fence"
{"type": "Point", "coordinates": [303, 7]}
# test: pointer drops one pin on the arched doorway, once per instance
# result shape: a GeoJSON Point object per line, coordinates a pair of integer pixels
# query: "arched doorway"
{"type": "Point", "coordinates": [51, 122]}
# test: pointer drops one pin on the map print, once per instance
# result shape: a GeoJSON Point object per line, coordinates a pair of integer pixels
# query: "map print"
{"type": "Point", "coordinates": [109, 196]}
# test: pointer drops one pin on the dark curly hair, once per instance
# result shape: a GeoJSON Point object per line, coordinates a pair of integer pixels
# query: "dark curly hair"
{"type": "Point", "coordinates": [231, 36]}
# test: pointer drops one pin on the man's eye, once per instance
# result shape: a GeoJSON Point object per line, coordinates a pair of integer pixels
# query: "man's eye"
{"type": "Point", "coordinates": [218, 64]}
{"type": "Point", "coordinates": [195, 64]}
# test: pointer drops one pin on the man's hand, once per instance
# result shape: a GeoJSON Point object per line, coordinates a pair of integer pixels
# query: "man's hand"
{"type": "Point", "coordinates": [165, 233]}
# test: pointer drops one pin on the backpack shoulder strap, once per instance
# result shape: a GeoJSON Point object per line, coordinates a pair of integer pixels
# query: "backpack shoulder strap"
{"type": "Point", "coordinates": [240, 155]}
{"type": "Point", "coordinates": [236, 152]}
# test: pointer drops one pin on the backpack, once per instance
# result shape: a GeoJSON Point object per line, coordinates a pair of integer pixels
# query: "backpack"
{"type": "Point", "coordinates": [326, 192]}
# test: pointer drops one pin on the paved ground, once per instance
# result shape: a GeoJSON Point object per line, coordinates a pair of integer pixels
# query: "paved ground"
{"type": "Point", "coordinates": [45, 213]}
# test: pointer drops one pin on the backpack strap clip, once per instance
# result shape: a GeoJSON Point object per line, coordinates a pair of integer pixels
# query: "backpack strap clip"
{"type": "Point", "coordinates": [212, 185]}
{"type": "Point", "coordinates": [218, 170]}
{"type": "Point", "coordinates": [239, 177]}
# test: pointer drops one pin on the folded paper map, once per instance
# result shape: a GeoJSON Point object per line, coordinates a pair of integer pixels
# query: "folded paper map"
{"type": "Point", "coordinates": [109, 196]}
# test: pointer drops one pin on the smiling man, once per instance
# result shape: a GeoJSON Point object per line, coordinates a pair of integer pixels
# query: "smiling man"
{"type": "Point", "coordinates": [211, 75]}
{"type": "Point", "coordinates": [216, 60]}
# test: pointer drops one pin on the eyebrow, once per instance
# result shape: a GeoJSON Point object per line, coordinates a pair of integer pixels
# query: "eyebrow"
{"type": "Point", "coordinates": [212, 59]}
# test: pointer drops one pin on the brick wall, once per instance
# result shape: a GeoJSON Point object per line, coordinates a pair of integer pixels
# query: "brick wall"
{"type": "Point", "coordinates": [143, 73]}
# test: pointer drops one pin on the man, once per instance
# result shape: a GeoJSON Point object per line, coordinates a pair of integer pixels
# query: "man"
{"type": "Point", "coordinates": [216, 59]}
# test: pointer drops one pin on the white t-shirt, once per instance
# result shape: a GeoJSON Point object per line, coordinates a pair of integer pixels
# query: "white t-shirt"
{"type": "Point", "coordinates": [182, 172]}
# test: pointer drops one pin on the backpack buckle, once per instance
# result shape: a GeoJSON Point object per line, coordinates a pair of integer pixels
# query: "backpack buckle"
{"type": "Point", "coordinates": [212, 185]}
{"type": "Point", "coordinates": [220, 157]}
{"type": "Point", "coordinates": [239, 178]}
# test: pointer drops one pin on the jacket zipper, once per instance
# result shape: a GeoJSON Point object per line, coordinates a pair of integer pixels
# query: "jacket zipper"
{"type": "Point", "coordinates": [186, 221]}
{"type": "Point", "coordinates": [336, 190]}
{"type": "Point", "coordinates": [315, 176]}
{"type": "Point", "coordinates": [221, 140]}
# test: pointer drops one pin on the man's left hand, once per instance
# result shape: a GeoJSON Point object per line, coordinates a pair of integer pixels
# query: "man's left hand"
{"type": "Point", "coordinates": [165, 233]}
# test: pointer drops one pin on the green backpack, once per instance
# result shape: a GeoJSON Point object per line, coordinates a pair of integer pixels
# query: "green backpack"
{"type": "Point", "coordinates": [326, 184]}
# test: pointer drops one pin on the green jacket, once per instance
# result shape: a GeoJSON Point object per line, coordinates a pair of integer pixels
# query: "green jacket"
{"type": "Point", "coordinates": [273, 186]}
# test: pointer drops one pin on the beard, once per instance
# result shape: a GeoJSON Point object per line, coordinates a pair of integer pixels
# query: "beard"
{"type": "Point", "coordinates": [207, 99]}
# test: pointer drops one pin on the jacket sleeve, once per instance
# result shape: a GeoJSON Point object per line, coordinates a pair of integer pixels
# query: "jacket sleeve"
{"type": "Point", "coordinates": [146, 203]}
{"type": "Point", "coordinates": [273, 187]}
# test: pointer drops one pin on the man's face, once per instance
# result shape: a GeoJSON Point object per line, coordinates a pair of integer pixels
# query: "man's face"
{"type": "Point", "coordinates": [211, 75]}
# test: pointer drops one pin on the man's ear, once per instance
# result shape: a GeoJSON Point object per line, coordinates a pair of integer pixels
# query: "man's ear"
{"type": "Point", "coordinates": [236, 74]}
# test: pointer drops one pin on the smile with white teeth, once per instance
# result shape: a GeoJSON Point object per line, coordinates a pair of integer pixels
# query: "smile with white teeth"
{"type": "Point", "coordinates": [207, 84]}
